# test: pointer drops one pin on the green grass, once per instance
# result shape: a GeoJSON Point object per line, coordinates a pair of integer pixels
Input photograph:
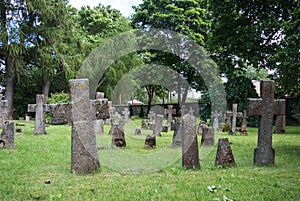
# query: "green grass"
{"type": "Point", "coordinates": [37, 159]}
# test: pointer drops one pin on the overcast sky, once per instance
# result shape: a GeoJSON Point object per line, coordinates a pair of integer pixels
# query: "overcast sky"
{"type": "Point", "coordinates": [125, 6]}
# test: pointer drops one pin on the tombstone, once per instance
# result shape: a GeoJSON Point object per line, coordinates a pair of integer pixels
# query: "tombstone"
{"type": "Point", "coordinates": [202, 125]}
{"type": "Point", "coordinates": [138, 131]}
{"type": "Point", "coordinates": [84, 154]}
{"type": "Point", "coordinates": [144, 124]}
{"type": "Point", "coordinates": [244, 122]}
{"type": "Point", "coordinates": [99, 95]}
{"type": "Point", "coordinates": [150, 141]}
{"type": "Point", "coordinates": [190, 152]}
{"type": "Point", "coordinates": [151, 117]}
{"type": "Point", "coordinates": [224, 155]}
{"type": "Point", "coordinates": [183, 110]}
{"type": "Point", "coordinates": [27, 118]}
{"type": "Point", "coordinates": [244, 131]}
{"type": "Point", "coordinates": [158, 125]}
{"type": "Point", "coordinates": [265, 107]}
{"type": "Point", "coordinates": [177, 135]}
{"type": "Point", "coordinates": [280, 124]}
{"type": "Point", "coordinates": [151, 126]}
{"type": "Point", "coordinates": [170, 111]}
{"type": "Point", "coordinates": [39, 108]}
{"type": "Point", "coordinates": [215, 116]}
{"type": "Point", "coordinates": [191, 111]}
{"type": "Point", "coordinates": [172, 126]}
{"type": "Point", "coordinates": [98, 126]}
{"type": "Point", "coordinates": [208, 137]}
{"type": "Point", "coordinates": [8, 135]}
{"type": "Point", "coordinates": [60, 113]}
{"type": "Point", "coordinates": [126, 114]}
{"type": "Point", "coordinates": [228, 116]}
{"type": "Point", "coordinates": [3, 107]}
{"type": "Point", "coordinates": [165, 129]}
{"type": "Point", "coordinates": [233, 115]}
{"type": "Point", "coordinates": [117, 131]}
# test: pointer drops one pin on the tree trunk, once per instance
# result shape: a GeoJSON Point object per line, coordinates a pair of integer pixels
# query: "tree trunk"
{"type": "Point", "coordinates": [46, 86]}
{"type": "Point", "coordinates": [184, 96]}
{"type": "Point", "coordinates": [179, 90]}
{"type": "Point", "coordinates": [9, 88]}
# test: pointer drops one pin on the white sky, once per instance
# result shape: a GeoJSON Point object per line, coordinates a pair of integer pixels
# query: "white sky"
{"type": "Point", "coordinates": [125, 6]}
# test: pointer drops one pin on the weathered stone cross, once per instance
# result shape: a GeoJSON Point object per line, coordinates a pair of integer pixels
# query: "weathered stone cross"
{"type": "Point", "coordinates": [170, 111]}
{"type": "Point", "coordinates": [39, 108]}
{"type": "Point", "coordinates": [234, 114]}
{"type": "Point", "coordinates": [265, 107]}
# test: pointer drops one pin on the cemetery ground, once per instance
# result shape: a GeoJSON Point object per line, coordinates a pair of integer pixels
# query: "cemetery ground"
{"type": "Point", "coordinates": [39, 168]}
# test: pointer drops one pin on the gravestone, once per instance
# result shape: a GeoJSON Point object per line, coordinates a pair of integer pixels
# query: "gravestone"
{"type": "Point", "coordinates": [99, 95]}
{"type": "Point", "coordinates": [8, 135]}
{"type": "Point", "coordinates": [177, 135]}
{"type": "Point", "coordinates": [280, 124]}
{"type": "Point", "coordinates": [150, 141]}
{"type": "Point", "coordinates": [244, 122]}
{"type": "Point", "coordinates": [39, 108]}
{"type": "Point", "coordinates": [165, 129]}
{"type": "Point", "coordinates": [215, 116]}
{"type": "Point", "coordinates": [27, 118]}
{"type": "Point", "coordinates": [126, 114]}
{"type": "Point", "coordinates": [98, 126]}
{"type": "Point", "coordinates": [60, 113]}
{"type": "Point", "coordinates": [190, 152]}
{"type": "Point", "coordinates": [224, 155]}
{"type": "Point", "coordinates": [158, 125]}
{"type": "Point", "coordinates": [244, 131]}
{"type": "Point", "coordinates": [191, 111]}
{"type": "Point", "coordinates": [208, 137]}
{"type": "Point", "coordinates": [228, 116]}
{"type": "Point", "coordinates": [84, 154]}
{"type": "Point", "coordinates": [151, 117]}
{"type": "Point", "coordinates": [232, 116]}
{"type": "Point", "coordinates": [170, 111]}
{"type": "Point", "coordinates": [3, 107]}
{"type": "Point", "coordinates": [138, 131]}
{"type": "Point", "coordinates": [144, 124]}
{"type": "Point", "coordinates": [202, 125]}
{"type": "Point", "coordinates": [265, 107]}
{"type": "Point", "coordinates": [117, 131]}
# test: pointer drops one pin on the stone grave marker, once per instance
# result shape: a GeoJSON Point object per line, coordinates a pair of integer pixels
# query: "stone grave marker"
{"type": "Point", "coordinates": [190, 152]}
{"type": "Point", "coordinates": [202, 125]}
{"type": "Point", "coordinates": [144, 124]}
{"type": "Point", "coordinates": [158, 125]}
{"type": "Point", "coordinates": [39, 108]}
{"type": "Point", "coordinates": [177, 135]}
{"type": "Point", "coordinates": [191, 111]}
{"type": "Point", "coordinates": [233, 115]}
{"type": "Point", "coordinates": [280, 124]}
{"type": "Point", "coordinates": [98, 126]}
{"type": "Point", "coordinates": [117, 131]}
{"type": "Point", "coordinates": [208, 137]}
{"type": "Point", "coordinates": [138, 131]}
{"type": "Point", "coordinates": [228, 116]}
{"type": "Point", "coordinates": [126, 114]}
{"type": "Point", "coordinates": [27, 118]}
{"type": "Point", "coordinates": [3, 107]}
{"type": "Point", "coordinates": [151, 117]}
{"type": "Point", "coordinates": [165, 128]}
{"type": "Point", "coordinates": [8, 135]}
{"type": "Point", "coordinates": [150, 141]}
{"type": "Point", "coordinates": [265, 107]}
{"type": "Point", "coordinates": [215, 115]}
{"type": "Point", "coordinates": [84, 152]}
{"type": "Point", "coordinates": [170, 111]}
{"type": "Point", "coordinates": [99, 95]}
{"type": "Point", "coordinates": [224, 155]}
{"type": "Point", "coordinates": [244, 122]}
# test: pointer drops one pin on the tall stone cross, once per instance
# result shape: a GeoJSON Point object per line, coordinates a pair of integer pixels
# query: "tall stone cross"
{"type": "Point", "coordinates": [3, 107]}
{"type": "Point", "coordinates": [170, 111]}
{"type": "Point", "coordinates": [39, 108]}
{"type": "Point", "coordinates": [265, 107]}
{"type": "Point", "coordinates": [234, 114]}
{"type": "Point", "coordinates": [84, 152]}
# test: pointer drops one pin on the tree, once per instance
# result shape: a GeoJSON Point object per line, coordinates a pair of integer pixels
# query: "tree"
{"type": "Point", "coordinates": [250, 32]}
{"type": "Point", "coordinates": [185, 17]}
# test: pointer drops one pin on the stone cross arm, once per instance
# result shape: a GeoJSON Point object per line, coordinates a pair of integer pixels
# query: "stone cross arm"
{"type": "Point", "coordinates": [32, 108]}
{"type": "Point", "coordinates": [255, 107]}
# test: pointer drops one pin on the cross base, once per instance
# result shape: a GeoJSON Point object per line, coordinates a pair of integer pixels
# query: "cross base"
{"type": "Point", "coordinates": [264, 156]}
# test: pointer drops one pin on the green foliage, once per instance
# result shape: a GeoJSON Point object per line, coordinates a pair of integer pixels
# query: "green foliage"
{"type": "Point", "coordinates": [59, 97]}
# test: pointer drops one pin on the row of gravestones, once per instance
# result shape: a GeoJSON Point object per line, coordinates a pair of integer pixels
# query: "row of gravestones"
{"type": "Point", "coordinates": [84, 152]}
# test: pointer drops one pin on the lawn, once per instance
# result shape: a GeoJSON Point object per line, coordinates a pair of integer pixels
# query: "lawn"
{"type": "Point", "coordinates": [39, 169]}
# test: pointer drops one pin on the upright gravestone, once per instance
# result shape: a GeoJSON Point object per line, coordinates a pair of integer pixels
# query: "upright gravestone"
{"type": "Point", "coordinates": [150, 141]}
{"type": "Point", "coordinates": [177, 136]}
{"type": "Point", "coordinates": [39, 108]}
{"type": "Point", "coordinates": [228, 117]}
{"type": "Point", "coordinates": [280, 124]}
{"type": "Point", "coordinates": [170, 111]}
{"type": "Point", "coordinates": [98, 126]}
{"type": "Point", "coordinates": [8, 135]}
{"type": "Point", "coordinates": [224, 155]}
{"type": "Point", "coordinates": [117, 131]}
{"type": "Point", "coordinates": [3, 106]}
{"type": "Point", "coordinates": [158, 125]}
{"type": "Point", "coordinates": [265, 107]}
{"type": "Point", "coordinates": [84, 155]}
{"type": "Point", "coordinates": [215, 116]}
{"type": "Point", "coordinates": [190, 152]}
{"type": "Point", "coordinates": [126, 114]}
{"type": "Point", "coordinates": [208, 137]}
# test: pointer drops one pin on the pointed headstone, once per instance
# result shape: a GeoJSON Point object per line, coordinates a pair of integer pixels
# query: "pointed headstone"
{"type": "Point", "coordinates": [224, 155]}
{"type": "Point", "coordinates": [8, 135]}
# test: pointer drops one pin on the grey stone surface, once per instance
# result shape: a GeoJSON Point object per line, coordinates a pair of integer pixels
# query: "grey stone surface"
{"type": "Point", "coordinates": [117, 131]}
{"type": "Point", "coordinates": [138, 131]}
{"type": "Point", "coordinates": [208, 137]}
{"type": "Point", "coordinates": [84, 154]}
{"type": "Point", "coordinates": [265, 107]}
{"type": "Point", "coordinates": [215, 116]}
{"type": "Point", "coordinates": [8, 135]}
{"type": "Point", "coordinates": [177, 135]}
{"type": "Point", "coordinates": [280, 124]}
{"type": "Point", "coordinates": [98, 126]}
{"type": "Point", "coordinates": [158, 125]}
{"type": "Point", "coordinates": [60, 113]}
{"type": "Point", "coordinates": [224, 155]}
{"type": "Point", "coordinates": [170, 111]}
{"type": "Point", "coordinates": [151, 117]}
{"type": "Point", "coordinates": [3, 108]}
{"type": "Point", "coordinates": [39, 108]}
{"type": "Point", "coordinates": [150, 141]}
{"type": "Point", "coordinates": [190, 152]}
{"type": "Point", "coordinates": [126, 115]}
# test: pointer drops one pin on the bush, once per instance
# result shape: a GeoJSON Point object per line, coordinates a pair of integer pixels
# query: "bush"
{"type": "Point", "coordinates": [60, 97]}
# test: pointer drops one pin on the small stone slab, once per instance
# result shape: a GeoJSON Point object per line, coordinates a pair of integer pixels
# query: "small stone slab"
{"type": "Point", "coordinates": [98, 126]}
{"type": "Point", "coordinates": [224, 155]}
{"type": "Point", "coordinates": [144, 124]}
{"type": "Point", "coordinates": [190, 152]}
{"type": "Point", "coordinates": [150, 141]}
{"type": "Point", "coordinates": [118, 137]}
{"type": "Point", "coordinates": [208, 137]}
{"type": "Point", "coordinates": [138, 131]}
{"type": "Point", "coordinates": [8, 135]}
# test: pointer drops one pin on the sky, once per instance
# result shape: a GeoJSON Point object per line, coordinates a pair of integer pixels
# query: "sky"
{"type": "Point", "coordinates": [125, 6]}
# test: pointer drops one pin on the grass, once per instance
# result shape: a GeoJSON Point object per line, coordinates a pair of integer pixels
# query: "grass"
{"type": "Point", "coordinates": [37, 159]}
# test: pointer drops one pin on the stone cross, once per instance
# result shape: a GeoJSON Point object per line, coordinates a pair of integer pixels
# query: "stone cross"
{"type": "Point", "coordinates": [126, 114]}
{"type": "Point", "coordinates": [39, 108]}
{"type": "Point", "coordinates": [170, 111]}
{"type": "Point", "coordinates": [190, 152]}
{"type": "Point", "coordinates": [265, 107]}
{"type": "Point", "coordinates": [151, 116]}
{"type": "Point", "coordinates": [234, 114]}
{"type": "Point", "coordinates": [3, 106]}
{"type": "Point", "coordinates": [84, 152]}
{"type": "Point", "coordinates": [191, 111]}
